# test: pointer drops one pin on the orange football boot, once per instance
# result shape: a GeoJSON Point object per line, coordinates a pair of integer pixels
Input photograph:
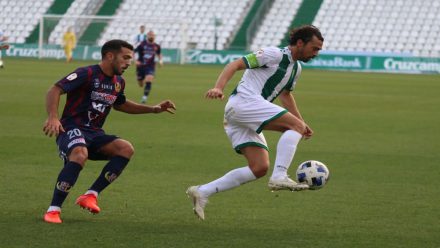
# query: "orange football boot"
{"type": "Point", "coordinates": [89, 202]}
{"type": "Point", "coordinates": [53, 217]}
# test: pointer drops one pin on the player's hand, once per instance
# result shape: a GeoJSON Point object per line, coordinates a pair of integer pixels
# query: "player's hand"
{"type": "Point", "coordinates": [165, 106]}
{"type": "Point", "coordinates": [214, 93]}
{"type": "Point", "coordinates": [53, 127]}
{"type": "Point", "coordinates": [308, 133]}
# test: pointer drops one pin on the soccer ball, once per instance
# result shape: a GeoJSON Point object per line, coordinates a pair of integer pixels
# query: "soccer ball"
{"type": "Point", "coordinates": [314, 173]}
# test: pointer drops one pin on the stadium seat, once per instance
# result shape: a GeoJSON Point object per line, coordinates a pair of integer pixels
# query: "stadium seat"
{"type": "Point", "coordinates": [275, 23]}
{"type": "Point", "coordinates": [18, 18]}
{"type": "Point", "coordinates": [197, 14]}
{"type": "Point", "coordinates": [399, 26]}
{"type": "Point", "coordinates": [77, 8]}
{"type": "Point", "coordinates": [393, 25]}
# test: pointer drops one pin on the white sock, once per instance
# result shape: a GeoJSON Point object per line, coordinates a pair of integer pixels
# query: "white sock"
{"type": "Point", "coordinates": [92, 192]}
{"type": "Point", "coordinates": [54, 208]}
{"type": "Point", "coordinates": [230, 180]}
{"type": "Point", "coordinates": [285, 150]}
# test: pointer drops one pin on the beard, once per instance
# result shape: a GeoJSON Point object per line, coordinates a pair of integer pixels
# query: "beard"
{"type": "Point", "coordinates": [151, 40]}
{"type": "Point", "coordinates": [305, 60]}
{"type": "Point", "coordinates": [116, 70]}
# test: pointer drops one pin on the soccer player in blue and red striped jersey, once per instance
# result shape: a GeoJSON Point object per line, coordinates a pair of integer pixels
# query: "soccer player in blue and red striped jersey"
{"type": "Point", "coordinates": [92, 92]}
{"type": "Point", "coordinates": [146, 63]}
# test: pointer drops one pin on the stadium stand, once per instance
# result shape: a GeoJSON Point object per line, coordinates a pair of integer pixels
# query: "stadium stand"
{"type": "Point", "coordinates": [200, 17]}
{"type": "Point", "coordinates": [392, 26]}
{"type": "Point", "coordinates": [19, 18]}
{"type": "Point", "coordinates": [275, 24]}
{"type": "Point", "coordinates": [77, 8]}
{"type": "Point", "coordinates": [305, 15]}
{"type": "Point", "coordinates": [246, 31]}
{"type": "Point", "coordinates": [58, 7]}
{"type": "Point", "coordinates": [94, 30]}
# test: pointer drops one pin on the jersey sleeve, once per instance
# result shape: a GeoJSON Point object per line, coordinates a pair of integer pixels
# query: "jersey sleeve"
{"type": "Point", "coordinates": [297, 74]}
{"type": "Point", "coordinates": [262, 57]}
{"type": "Point", "coordinates": [158, 50]}
{"type": "Point", "coordinates": [138, 52]}
{"type": "Point", "coordinates": [73, 80]}
{"type": "Point", "coordinates": [121, 99]}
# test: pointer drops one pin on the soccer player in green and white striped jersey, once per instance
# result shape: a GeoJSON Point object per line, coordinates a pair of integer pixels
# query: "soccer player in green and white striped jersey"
{"type": "Point", "coordinates": [140, 37]}
{"type": "Point", "coordinates": [270, 73]}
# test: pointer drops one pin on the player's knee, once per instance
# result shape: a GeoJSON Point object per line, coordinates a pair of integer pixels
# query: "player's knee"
{"type": "Point", "coordinates": [79, 155]}
{"type": "Point", "coordinates": [299, 126]}
{"type": "Point", "coordinates": [127, 150]}
{"type": "Point", "coordinates": [260, 168]}
{"type": "Point", "coordinates": [261, 171]}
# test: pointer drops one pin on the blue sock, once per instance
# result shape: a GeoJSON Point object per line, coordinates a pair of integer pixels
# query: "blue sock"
{"type": "Point", "coordinates": [66, 179]}
{"type": "Point", "coordinates": [147, 88]}
{"type": "Point", "coordinates": [109, 173]}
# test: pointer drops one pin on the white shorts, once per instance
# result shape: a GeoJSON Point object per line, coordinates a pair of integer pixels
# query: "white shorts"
{"type": "Point", "coordinates": [245, 118]}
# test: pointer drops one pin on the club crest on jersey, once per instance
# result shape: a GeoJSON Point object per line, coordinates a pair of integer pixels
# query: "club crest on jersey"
{"type": "Point", "coordinates": [117, 87]}
{"type": "Point", "coordinates": [72, 76]}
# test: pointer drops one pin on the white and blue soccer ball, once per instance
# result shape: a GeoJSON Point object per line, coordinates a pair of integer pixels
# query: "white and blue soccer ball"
{"type": "Point", "coordinates": [314, 173]}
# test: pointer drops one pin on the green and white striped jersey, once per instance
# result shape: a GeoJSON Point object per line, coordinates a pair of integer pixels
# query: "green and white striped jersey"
{"type": "Point", "coordinates": [269, 71]}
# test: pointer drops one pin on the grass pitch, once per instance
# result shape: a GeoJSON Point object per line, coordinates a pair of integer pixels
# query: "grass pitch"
{"type": "Point", "coordinates": [378, 134]}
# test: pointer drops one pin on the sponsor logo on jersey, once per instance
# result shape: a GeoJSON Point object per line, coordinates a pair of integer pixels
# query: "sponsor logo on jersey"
{"type": "Point", "coordinates": [72, 76]}
{"type": "Point", "coordinates": [99, 106]}
{"type": "Point", "coordinates": [107, 87]}
{"type": "Point", "coordinates": [103, 97]}
{"type": "Point", "coordinates": [96, 83]}
{"type": "Point", "coordinates": [147, 56]}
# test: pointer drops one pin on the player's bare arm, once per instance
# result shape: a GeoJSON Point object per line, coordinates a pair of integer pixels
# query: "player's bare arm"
{"type": "Point", "coordinates": [160, 60]}
{"type": "Point", "coordinates": [226, 75]}
{"type": "Point", "coordinates": [53, 126]}
{"type": "Point", "coordinates": [131, 107]}
{"type": "Point", "coordinates": [288, 102]}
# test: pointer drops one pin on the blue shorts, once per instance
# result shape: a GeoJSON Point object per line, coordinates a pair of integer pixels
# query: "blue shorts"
{"type": "Point", "coordinates": [91, 139]}
{"type": "Point", "coordinates": [143, 71]}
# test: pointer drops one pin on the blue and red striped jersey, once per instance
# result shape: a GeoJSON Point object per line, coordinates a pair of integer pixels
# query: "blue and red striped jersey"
{"type": "Point", "coordinates": [90, 96]}
{"type": "Point", "coordinates": [147, 52]}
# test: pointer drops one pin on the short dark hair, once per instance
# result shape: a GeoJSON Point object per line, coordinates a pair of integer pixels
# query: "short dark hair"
{"type": "Point", "coordinates": [304, 33]}
{"type": "Point", "coordinates": [115, 46]}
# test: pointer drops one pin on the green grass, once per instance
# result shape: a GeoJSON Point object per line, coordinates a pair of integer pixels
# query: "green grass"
{"type": "Point", "coordinates": [378, 134]}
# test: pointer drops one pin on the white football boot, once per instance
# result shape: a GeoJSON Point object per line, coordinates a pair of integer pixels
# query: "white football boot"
{"type": "Point", "coordinates": [199, 201]}
{"type": "Point", "coordinates": [286, 184]}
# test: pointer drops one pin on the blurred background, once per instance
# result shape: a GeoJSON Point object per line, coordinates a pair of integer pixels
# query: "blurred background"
{"type": "Point", "coordinates": [197, 31]}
